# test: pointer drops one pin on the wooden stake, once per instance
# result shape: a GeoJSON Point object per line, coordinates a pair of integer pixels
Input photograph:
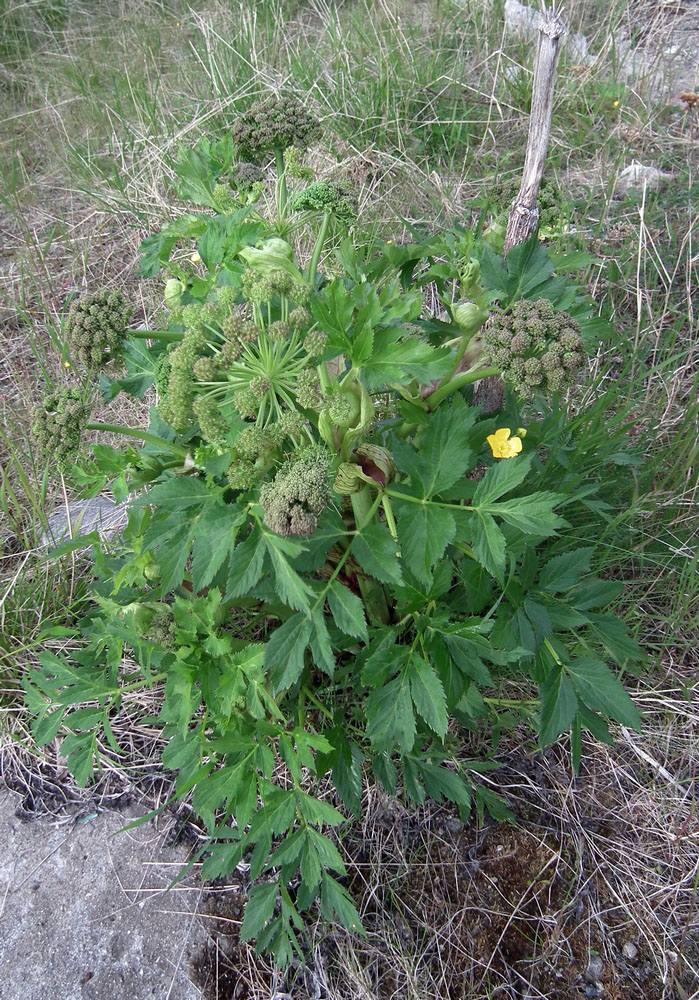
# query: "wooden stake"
{"type": "Point", "coordinates": [524, 214]}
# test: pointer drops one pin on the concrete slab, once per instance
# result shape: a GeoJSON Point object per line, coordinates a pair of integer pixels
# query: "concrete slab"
{"type": "Point", "coordinates": [84, 911]}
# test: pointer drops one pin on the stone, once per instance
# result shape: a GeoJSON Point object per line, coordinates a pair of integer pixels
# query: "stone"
{"type": "Point", "coordinates": [82, 517]}
{"type": "Point", "coordinates": [84, 914]}
{"type": "Point", "coordinates": [522, 22]}
{"type": "Point", "coordinates": [454, 824]}
{"type": "Point", "coordinates": [668, 61]}
{"type": "Point", "coordinates": [629, 951]}
{"type": "Point", "coordinates": [595, 968]}
{"type": "Point", "coordinates": [638, 176]}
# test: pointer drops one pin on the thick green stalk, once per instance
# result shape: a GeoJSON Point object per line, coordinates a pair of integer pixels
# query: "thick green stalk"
{"type": "Point", "coordinates": [317, 249]}
{"type": "Point", "coordinates": [458, 382]}
{"type": "Point", "coordinates": [134, 432]}
{"type": "Point", "coordinates": [281, 183]}
{"type": "Point", "coordinates": [372, 591]}
{"type": "Point", "coordinates": [169, 336]}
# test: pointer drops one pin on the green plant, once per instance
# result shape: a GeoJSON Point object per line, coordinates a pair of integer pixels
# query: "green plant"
{"type": "Point", "coordinates": [330, 571]}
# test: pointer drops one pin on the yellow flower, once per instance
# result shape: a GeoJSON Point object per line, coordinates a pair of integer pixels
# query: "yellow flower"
{"type": "Point", "coordinates": [615, 104]}
{"type": "Point", "coordinates": [195, 258]}
{"type": "Point", "coordinates": [502, 445]}
{"type": "Point", "coordinates": [66, 364]}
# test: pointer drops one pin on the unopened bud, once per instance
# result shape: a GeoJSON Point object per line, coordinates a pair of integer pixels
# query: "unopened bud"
{"type": "Point", "coordinates": [348, 479]}
{"type": "Point", "coordinates": [469, 275]}
{"type": "Point", "coordinates": [469, 317]}
{"type": "Point", "coordinates": [173, 292]}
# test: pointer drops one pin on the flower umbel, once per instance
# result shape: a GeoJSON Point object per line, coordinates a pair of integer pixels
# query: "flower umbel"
{"type": "Point", "coordinates": [502, 445]}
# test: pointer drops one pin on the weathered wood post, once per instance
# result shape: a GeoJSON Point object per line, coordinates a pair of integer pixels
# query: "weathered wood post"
{"type": "Point", "coordinates": [524, 214]}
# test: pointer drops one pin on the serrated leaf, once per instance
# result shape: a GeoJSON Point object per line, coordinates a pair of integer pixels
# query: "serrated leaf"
{"type": "Point", "coordinates": [328, 854]}
{"type": "Point", "coordinates": [488, 544]}
{"type": "Point", "coordinates": [390, 718]}
{"type": "Point", "coordinates": [317, 811]}
{"type": "Point", "coordinates": [214, 540]}
{"type": "Point", "coordinates": [529, 267]}
{"type": "Point", "coordinates": [320, 643]}
{"type": "Point", "coordinates": [424, 531]}
{"type": "Point", "coordinates": [291, 588]}
{"type": "Point", "coordinates": [377, 553]}
{"type": "Point", "coordinates": [558, 706]}
{"type": "Point", "coordinates": [139, 361]}
{"type": "Point", "coordinates": [177, 493]}
{"type": "Point", "coordinates": [259, 910]}
{"type": "Point", "coordinates": [171, 538]}
{"type": "Point", "coordinates": [335, 903]}
{"type": "Point", "coordinates": [441, 783]}
{"type": "Point", "coordinates": [428, 694]}
{"type": "Point", "coordinates": [445, 453]}
{"type": "Point", "coordinates": [599, 689]}
{"type": "Point", "coordinates": [501, 478]}
{"type": "Point", "coordinates": [245, 565]}
{"type": "Point", "coordinates": [532, 514]}
{"type": "Point", "coordinates": [407, 359]}
{"type": "Point", "coordinates": [284, 651]}
{"type": "Point", "coordinates": [613, 634]}
{"type": "Point", "coordinates": [347, 610]}
{"type": "Point", "coordinates": [563, 572]}
{"type": "Point", "coordinates": [347, 771]}
{"type": "Point", "coordinates": [596, 594]}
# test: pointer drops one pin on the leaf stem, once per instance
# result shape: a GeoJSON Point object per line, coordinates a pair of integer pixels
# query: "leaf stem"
{"type": "Point", "coordinates": [317, 249]}
{"type": "Point", "coordinates": [135, 432]}
{"type": "Point", "coordinates": [435, 503]}
{"type": "Point", "coordinates": [456, 383]}
{"type": "Point", "coordinates": [281, 183]}
{"type": "Point", "coordinates": [169, 336]}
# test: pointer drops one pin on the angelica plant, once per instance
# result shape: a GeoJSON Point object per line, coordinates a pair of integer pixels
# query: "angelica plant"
{"type": "Point", "coordinates": [333, 562]}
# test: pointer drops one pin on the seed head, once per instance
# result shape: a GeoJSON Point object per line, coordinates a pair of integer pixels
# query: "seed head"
{"type": "Point", "coordinates": [536, 348]}
{"type": "Point", "coordinates": [273, 124]}
{"type": "Point", "coordinates": [58, 424]}
{"type": "Point", "coordinates": [96, 328]}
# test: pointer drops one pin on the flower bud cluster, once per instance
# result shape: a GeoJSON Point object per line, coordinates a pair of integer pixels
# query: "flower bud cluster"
{"type": "Point", "coordinates": [262, 287]}
{"type": "Point", "coordinates": [244, 176]}
{"type": "Point", "coordinates": [309, 394]}
{"type": "Point", "coordinates": [96, 328]}
{"type": "Point", "coordinates": [242, 475]}
{"type": "Point", "coordinates": [162, 374]}
{"type": "Point", "coordinates": [58, 424]}
{"type": "Point", "coordinates": [273, 124]}
{"type": "Point", "coordinates": [177, 406]}
{"type": "Point", "coordinates": [298, 493]}
{"type": "Point", "coordinates": [206, 369]}
{"type": "Point", "coordinates": [214, 428]}
{"type": "Point", "coordinates": [161, 629]}
{"type": "Point", "coordinates": [224, 199]}
{"type": "Point", "coordinates": [538, 350]}
{"type": "Point", "coordinates": [327, 198]}
{"type": "Point", "coordinates": [299, 318]}
{"type": "Point", "coordinates": [315, 343]}
{"type": "Point", "coordinates": [238, 331]}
